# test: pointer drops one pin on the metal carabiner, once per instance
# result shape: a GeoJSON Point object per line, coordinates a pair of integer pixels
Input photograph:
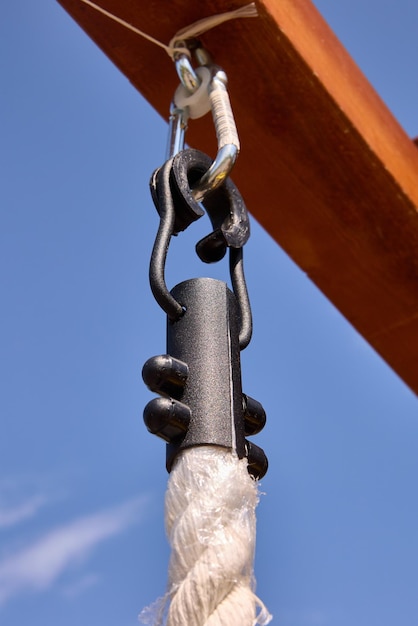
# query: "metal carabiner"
{"type": "Point", "coordinates": [179, 116]}
{"type": "Point", "coordinates": [177, 126]}
{"type": "Point", "coordinates": [194, 98]}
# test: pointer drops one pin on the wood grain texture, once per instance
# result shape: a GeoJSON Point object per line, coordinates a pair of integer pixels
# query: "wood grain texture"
{"type": "Point", "coordinates": [325, 167]}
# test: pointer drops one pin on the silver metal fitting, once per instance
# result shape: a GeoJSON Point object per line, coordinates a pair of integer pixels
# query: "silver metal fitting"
{"type": "Point", "coordinates": [223, 118]}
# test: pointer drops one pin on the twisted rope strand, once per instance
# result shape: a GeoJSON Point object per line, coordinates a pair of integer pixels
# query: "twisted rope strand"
{"type": "Point", "coordinates": [210, 523]}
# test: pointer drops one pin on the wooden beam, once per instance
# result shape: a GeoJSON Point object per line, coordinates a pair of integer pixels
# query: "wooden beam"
{"type": "Point", "coordinates": [325, 167]}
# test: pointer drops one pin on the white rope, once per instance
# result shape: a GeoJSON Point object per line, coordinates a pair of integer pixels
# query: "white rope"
{"type": "Point", "coordinates": [210, 523]}
{"type": "Point", "coordinates": [188, 32]}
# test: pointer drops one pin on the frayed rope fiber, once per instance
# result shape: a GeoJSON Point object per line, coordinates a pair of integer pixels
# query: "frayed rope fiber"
{"type": "Point", "coordinates": [210, 523]}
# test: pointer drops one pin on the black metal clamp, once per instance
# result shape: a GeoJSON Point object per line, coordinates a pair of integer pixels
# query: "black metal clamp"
{"type": "Point", "coordinates": [199, 380]}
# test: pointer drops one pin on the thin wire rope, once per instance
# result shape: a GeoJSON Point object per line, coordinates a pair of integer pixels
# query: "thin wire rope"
{"type": "Point", "coordinates": [188, 32]}
{"type": "Point", "coordinates": [127, 25]}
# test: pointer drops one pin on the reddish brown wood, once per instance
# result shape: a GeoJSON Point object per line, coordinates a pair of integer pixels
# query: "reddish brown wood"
{"type": "Point", "coordinates": [325, 168]}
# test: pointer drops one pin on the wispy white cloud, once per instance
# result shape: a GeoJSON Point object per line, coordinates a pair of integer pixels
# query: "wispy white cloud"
{"type": "Point", "coordinates": [81, 585]}
{"type": "Point", "coordinates": [39, 565]}
{"type": "Point", "coordinates": [14, 514]}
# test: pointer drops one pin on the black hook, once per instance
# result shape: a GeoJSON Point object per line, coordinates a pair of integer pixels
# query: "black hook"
{"type": "Point", "coordinates": [224, 205]}
{"type": "Point", "coordinates": [171, 189]}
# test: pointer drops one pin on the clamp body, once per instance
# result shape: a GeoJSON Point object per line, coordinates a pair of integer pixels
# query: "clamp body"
{"type": "Point", "coordinates": [200, 378]}
{"type": "Point", "coordinates": [205, 339]}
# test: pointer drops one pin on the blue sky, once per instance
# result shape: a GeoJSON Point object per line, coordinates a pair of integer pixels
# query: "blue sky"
{"type": "Point", "coordinates": [81, 481]}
